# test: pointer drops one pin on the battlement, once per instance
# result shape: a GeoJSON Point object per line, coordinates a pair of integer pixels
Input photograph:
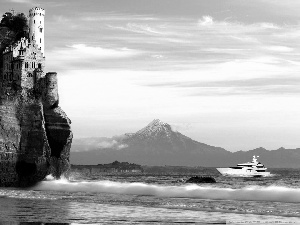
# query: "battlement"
{"type": "Point", "coordinates": [51, 79]}
{"type": "Point", "coordinates": [36, 11]}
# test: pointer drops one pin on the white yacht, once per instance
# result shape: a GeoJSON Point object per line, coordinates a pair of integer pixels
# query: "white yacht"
{"type": "Point", "coordinates": [250, 169]}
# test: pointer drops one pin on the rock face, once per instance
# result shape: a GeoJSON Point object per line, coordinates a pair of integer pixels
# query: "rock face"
{"type": "Point", "coordinates": [35, 134]}
{"type": "Point", "coordinates": [198, 180]}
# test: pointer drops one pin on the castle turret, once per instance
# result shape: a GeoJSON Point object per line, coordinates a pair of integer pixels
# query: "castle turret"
{"type": "Point", "coordinates": [50, 90]}
{"type": "Point", "coordinates": [36, 27]}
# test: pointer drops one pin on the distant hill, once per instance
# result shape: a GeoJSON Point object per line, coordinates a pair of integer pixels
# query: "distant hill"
{"type": "Point", "coordinates": [157, 144]}
{"type": "Point", "coordinates": [114, 167]}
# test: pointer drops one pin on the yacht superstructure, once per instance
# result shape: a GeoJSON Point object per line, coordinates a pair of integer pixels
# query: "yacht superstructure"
{"type": "Point", "coordinates": [249, 169]}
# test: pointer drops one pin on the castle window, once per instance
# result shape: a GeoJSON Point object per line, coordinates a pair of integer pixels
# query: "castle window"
{"type": "Point", "coordinates": [40, 66]}
{"type": "Point", "coordinates": [41, 30]}
{"type": "Point", "coordinates": [34, 21]}
{"type": "Point", "coordinates": [40, 40]}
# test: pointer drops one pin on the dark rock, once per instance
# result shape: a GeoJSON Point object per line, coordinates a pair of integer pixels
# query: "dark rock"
{"type": "Point", "coordinates": [35, 137]}
{"type": "Point", "coordinates": [201, 179]}
{"type": "Point", "coordinates": [35, 134]}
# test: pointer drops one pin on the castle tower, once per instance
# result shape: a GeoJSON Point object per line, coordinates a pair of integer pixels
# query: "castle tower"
{"type": "Point", "coordinates": [50, 91]}
{"type": "Point", "coordinates": [36, 27]}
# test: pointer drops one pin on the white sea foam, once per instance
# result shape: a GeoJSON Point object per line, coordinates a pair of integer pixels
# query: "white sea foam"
{"type": "Point", "coordinates": [255, 193]}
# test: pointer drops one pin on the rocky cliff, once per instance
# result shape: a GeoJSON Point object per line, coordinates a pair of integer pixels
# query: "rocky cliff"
{"type": "Point", "coordinates": [35, 134]}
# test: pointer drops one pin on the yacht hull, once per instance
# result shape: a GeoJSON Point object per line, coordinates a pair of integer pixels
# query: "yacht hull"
{"type": "Point", "coordinates": [243, 172]}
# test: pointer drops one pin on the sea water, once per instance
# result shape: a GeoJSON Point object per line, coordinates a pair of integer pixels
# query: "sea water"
{"type": "Point", "coordinates": [155, 199]}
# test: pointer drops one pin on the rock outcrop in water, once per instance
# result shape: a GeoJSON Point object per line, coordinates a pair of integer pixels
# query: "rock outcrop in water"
{"type": "Point", "coordinates": [35, 134]}
{"type": "Point", "coordinates": [198, 180]}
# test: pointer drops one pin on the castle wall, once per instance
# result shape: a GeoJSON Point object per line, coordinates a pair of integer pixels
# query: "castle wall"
{"type": "Point", "coordinates": [7, 67]}
{"type": "Point", "coordinates": [33, 60]}
{"type": "Point", "coordinates": [20, 62]}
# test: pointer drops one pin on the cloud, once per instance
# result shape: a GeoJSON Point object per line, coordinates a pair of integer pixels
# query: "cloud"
{"type": "Point", "coordinates": [22, 1]}
{"type": "Point", "coordinates": [111, 144]}
{"type": "Point", "coordinates": [61, 19]}
{"type": "Point", "coordinates": [111, 16]}
{"type": "Point", "coordinates": [181, 127]}
{"type": "Point", "coordinates": [209, 51]}
{"type": "Point", "coordinates": [98, 52]}
{"type": "Point", "coordinates": [206, 21]}
{"type": "Point", "coordinates": [138, 42]}
{"type": "Point", "coordinates": [157, 56]}
{"type": "Point", "coordinates": [270, 85]}
{"type": "Point", "coordinates": [81, 56]}
{"type": "Point", "coordinates": [268, 26]}
{"type": "Point", "coordinates": [141, 29]}
{"type": "Point", "coordinates": [279, 48]}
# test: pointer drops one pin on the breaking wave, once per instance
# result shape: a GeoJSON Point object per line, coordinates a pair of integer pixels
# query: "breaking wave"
{"type": "Point", "coordinates": [250, 193]}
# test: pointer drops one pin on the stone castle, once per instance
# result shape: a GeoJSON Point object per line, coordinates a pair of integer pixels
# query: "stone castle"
{"type": "Point", "coordinates": [35, 134]}
{"type": "Point", "coordinates": [24, 61]}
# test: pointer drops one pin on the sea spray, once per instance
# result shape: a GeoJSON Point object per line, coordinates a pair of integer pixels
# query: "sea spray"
{"type": "Point", "coordinates": [250, 193]}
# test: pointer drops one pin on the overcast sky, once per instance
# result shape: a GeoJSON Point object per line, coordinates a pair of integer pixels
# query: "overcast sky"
{"type": "Point", "coordinates": [225, 73]}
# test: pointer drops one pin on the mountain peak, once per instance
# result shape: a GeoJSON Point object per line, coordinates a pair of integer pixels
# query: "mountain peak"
{"type": "Point", "coordinates": [156, 127]}
{"type": "Point", "coordinates": [157, 122]}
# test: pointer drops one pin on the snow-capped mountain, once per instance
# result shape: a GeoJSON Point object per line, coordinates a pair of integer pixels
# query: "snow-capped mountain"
{"type": "Point", "coordinates": [155, 144]}
{"type": "Point", "coordinates": [158, 144]}
{"type": "Point", "coordinates": [155, 129]}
